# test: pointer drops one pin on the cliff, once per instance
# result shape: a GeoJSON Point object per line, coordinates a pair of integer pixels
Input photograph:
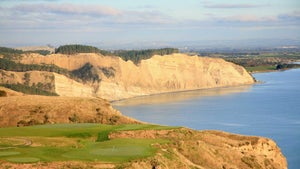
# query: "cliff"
{"type": "Point", "coordinates": [172, 148]}
{"type": "Point", "coordinates": [159, 74]}
{"type": "Point", "coordinates": [208, 150]}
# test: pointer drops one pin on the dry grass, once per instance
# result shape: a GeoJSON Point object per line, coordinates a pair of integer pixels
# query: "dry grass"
{"type": "Point", "coordinates": [32, 110]}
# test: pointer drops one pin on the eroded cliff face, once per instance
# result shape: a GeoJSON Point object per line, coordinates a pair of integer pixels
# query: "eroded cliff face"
{"type": "Point", "coordinates": [159, 74]}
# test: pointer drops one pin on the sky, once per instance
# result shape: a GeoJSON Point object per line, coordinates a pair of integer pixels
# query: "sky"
{"type": "Point", "coordinates": [58, 22]}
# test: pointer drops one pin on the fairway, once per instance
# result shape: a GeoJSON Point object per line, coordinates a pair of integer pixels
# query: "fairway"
{"type": "Point", "coordinates": [83, 142]}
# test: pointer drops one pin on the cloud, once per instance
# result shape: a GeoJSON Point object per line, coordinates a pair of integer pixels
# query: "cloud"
{"type": "Point", "coordinates": [65, 16]}
{"type": "Point", "coordinates": [70, 9]}
{"type": "Point", "coordinates": [234, 6]}
{"type": "Point", "coordinates": [293, 16]}
{"type": "Point", "coordinates": [248, 18]}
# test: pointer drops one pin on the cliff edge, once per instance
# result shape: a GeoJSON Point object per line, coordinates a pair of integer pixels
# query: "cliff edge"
{"type": "Point", "coordinates": [121, 79]}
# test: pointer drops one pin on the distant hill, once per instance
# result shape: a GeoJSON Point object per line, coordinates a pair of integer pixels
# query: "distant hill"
{"type": "Point", "coordinates": [36, 48]}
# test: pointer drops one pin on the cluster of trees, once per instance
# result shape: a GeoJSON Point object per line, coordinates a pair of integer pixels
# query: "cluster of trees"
{"type": "Point", "coordinates": [252, 62]}
{"type": "Point", "coordinates": [287, 66]}
{"type": "Point", "coordinates": [10, 65]}
{"type": "Point", "coordinates": [86, 73]}
{"type": "Point", "coordinates": [108, 71]}
{"type": "Point", "coordinates": [28, 89]}
{"type": "Point", "coordinates": [41, 52]}
{"type": "Point", "coordinates": [83, 74]}
{"type": "Point", "coordinates": [137, 55]}
{"type": "Point", "coordinates": [76, 48]}
{"type": "Point", "coordinates": [3, 93]}
{"type": "Point", "coordinates": [278, 63]}
{"type": "Point", "coordinates": [134, 55]}
{"type": "Point", "coordinates": [11, 53]}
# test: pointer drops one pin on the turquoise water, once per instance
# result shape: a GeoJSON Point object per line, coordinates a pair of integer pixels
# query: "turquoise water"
{"type": "Point", "coordinates": [270, 109]}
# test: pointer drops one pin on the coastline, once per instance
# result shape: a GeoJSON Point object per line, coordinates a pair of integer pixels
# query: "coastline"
{"type": "Point", "coordinates": [275, 70]}
{"type": "Point", "coordinates": [276, 131]}
{"type": "Point", "coordinates": [184, 91]}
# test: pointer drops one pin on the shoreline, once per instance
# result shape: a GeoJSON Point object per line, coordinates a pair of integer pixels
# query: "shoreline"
{"type": "Point", "coordinates": [270, 71]}
{"type": "Point", "coordinates": [184, 91]}
{"type": "Point", "coordinates": [275, 70]}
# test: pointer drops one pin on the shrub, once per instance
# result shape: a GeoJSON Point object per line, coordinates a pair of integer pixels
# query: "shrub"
{"type": "Point", "coordinates": [3, 93]}
{"type": "Point", "coordinates": [74, 118]}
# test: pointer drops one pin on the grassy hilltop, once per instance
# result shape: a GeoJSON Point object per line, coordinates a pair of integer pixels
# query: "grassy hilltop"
{"type": "Point", "coordinates": [83, 142]}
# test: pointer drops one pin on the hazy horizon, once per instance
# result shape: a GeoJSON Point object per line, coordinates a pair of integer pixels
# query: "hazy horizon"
{"type": "Point", "coordinates": [162, 23]}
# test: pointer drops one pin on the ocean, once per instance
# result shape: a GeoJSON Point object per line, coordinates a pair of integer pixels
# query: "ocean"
{"type": "Point", "coordinates": [270, 108]}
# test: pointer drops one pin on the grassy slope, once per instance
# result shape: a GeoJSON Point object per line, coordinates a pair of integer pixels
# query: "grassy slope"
{"type": "Point", "coordinates": [64, 142]}
{"type": "Point", "coordinates": [260, 68]}
{"type": "Point", "coordinates": [132, 146]}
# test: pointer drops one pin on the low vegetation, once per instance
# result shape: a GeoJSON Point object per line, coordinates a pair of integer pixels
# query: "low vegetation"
{"type": "Point", "coordinates": [34, 90]}
{"type": "Point", "coordinates": [76, 48]}
{"type": "Point", "coordinates": [3, 93]}
{"type": "Point", "coordinates": [137, 55]}
{"type": "Point", "coordinates": [11, 53]}
{"type": "Point", "coordinates": [87, 73]}
{"type": "Point", "coordinates": [10, 65]}
{"type": "Point", "coordinates": [260, 62]}
{"type": "Point", "coordinates": [134, 55]}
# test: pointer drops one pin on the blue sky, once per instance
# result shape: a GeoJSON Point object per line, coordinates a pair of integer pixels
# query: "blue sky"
{"type": "Point", "coordinates": [40, 22]}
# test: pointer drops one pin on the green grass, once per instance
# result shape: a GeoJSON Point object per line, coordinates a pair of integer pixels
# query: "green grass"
{"type": "Point", "coordinates": [23, 159]}
{"type": "Point", "coordinates": [8, 153]}
{"type": "Point", "coordinates": [117, 150]}
{"type": "Point", "coordinates": [261, 68]}
{"type": "Point", "coordinates": [83, 142]}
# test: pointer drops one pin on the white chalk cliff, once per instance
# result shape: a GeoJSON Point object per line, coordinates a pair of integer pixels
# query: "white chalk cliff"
{"type": "Point", "coordinates": [168, 73]}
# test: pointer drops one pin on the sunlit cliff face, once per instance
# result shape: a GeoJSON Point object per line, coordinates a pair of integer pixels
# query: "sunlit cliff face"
{"type": "Point", "coordinates": [159, 74]}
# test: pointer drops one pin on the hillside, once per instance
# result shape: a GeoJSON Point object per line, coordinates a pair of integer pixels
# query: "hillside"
{"type": "Point", "coordinates": [119, 79]}
{"type": "Point", "coordinates": [8, 92]}
{"type": "Point", "coordinates": [33, 110]}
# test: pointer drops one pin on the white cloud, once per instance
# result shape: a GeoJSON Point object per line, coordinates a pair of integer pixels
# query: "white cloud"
{"type": "Point", "coordinates": [72, 16]}
{"type": "Point", "coordinates": [249, 18]}
{"type": "Point", "coordinates": [66, 9]}
{"type": "Point", "coordinates": [234, 6]}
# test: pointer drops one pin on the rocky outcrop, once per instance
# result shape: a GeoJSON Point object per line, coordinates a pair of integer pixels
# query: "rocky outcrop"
{"type": "Point", "coordinates": [159, 74]}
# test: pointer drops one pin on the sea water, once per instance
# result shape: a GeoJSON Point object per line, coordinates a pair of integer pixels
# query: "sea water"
{"type": "Point", "coordinates": [270, 109]}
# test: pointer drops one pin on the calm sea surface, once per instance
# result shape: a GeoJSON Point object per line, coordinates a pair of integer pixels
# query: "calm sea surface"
{"type": "Point", "coordinates": [270, 109]}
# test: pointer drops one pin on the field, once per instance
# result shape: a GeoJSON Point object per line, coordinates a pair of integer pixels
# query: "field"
{"type": "Point", "coordinates": [261, 68]}
{"type": "Point", "coordinates": [260, 60]}
{"type": "Point", "coordinates": [80, 142]}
